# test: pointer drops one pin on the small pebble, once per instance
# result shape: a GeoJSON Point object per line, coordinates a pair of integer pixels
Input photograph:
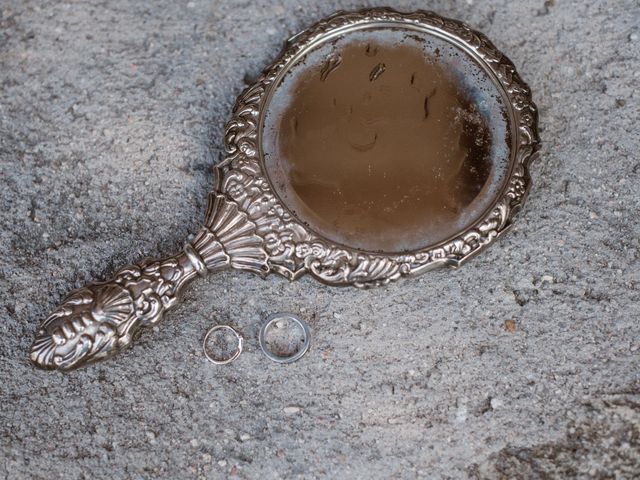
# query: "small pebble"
{"type": "Point", "coordinates": [291, 410]}
{"type": "Point", "coordinates": [510, 326]}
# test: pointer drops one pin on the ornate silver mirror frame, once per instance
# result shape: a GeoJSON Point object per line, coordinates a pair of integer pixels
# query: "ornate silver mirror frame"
{"type": "Point", "coordinates": [247, 227]}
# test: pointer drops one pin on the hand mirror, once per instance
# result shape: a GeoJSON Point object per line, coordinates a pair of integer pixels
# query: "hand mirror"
{"type": "Point", "coordinates": [378, 145]}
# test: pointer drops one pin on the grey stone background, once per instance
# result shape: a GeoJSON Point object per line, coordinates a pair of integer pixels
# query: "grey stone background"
{"type": "Point", "coordinates": [111, 117]}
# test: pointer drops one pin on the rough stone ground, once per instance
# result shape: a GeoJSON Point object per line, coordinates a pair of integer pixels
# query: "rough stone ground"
{"type": "Point", "coordinates": [111, 116]}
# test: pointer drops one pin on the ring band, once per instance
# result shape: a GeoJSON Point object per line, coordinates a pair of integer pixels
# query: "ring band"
{"type": "Point", "coordinates": [235, 355]}
{"type": "Point", "coordinates": [277, 358]}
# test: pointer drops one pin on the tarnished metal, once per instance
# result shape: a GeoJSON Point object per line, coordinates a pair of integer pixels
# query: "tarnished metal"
{"type": "Point", "coordinates": [248, 227]}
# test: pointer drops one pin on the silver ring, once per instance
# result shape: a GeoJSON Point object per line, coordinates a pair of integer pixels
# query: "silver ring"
{"type": "Point", "coordinates": [235, 355]}
{"type": "Point", "coordinates": [277, 358]}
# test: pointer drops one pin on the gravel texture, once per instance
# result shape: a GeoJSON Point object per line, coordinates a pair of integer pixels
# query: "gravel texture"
{"type": "Point", "coordinates": [523, 364]}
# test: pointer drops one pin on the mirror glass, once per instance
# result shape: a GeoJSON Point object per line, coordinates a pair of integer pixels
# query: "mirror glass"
{"type": "Point", "coordinates": [386, 139]}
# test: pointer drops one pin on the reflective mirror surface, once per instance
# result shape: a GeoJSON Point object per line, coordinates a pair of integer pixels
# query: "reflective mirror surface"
{"type": "Point", "coordinates": [386, 140]}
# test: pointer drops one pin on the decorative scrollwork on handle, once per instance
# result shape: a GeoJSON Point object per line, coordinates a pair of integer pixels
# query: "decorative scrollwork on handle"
{"type": "Point", "coordinates": [96, 321]}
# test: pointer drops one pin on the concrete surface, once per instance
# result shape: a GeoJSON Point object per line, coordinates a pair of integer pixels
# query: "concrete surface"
{"type": "Point", "coordinates": [523, 364]}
